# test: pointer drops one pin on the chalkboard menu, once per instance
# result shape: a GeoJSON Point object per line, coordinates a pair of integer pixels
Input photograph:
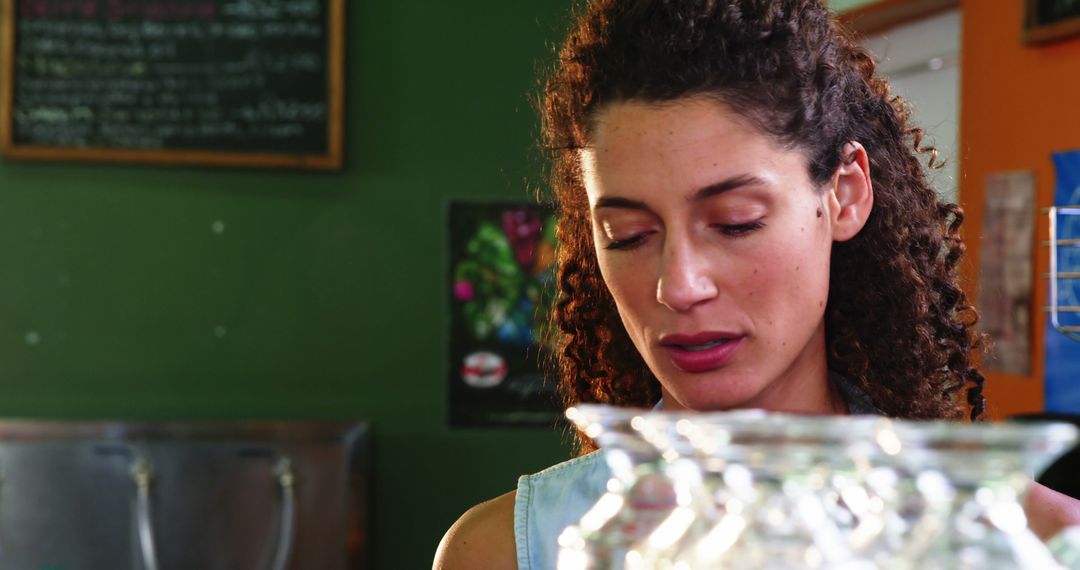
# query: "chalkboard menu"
{"type": "Point", "coordinates": [1051, 20]}
{"type": "Point", "coordinates": [224, 82]}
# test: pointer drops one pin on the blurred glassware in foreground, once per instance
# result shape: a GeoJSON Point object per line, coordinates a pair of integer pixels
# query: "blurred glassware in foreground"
{"type": "Point", "coordinates": [1066, 547]}
{"type": "Point", "coordinates": [751, 489]}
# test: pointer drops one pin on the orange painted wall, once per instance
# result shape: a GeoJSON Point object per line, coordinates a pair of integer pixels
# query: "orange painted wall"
{"type": "Point", "coordinates": [1019, 104]}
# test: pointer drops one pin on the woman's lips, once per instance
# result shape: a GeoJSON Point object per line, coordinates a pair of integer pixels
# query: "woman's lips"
{"type": "Point", "coordinates": [697, 354]}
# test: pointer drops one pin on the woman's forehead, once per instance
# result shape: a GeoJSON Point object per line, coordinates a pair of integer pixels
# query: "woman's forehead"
{"type": "Point", "coordinates": [682, 127]}
{"type": "Point", "coordinates": [690, 142]}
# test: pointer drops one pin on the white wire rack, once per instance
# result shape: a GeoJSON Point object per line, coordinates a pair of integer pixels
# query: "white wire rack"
{"type": "Point", "coordinates": [1064, 276]}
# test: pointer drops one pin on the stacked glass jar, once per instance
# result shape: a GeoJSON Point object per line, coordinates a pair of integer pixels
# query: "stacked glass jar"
{"type": "Point", "coordinates": [755, 490]}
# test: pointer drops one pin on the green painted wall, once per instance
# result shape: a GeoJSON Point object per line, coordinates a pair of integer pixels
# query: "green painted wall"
{"type": "Point", "coordinates": [175, 292]}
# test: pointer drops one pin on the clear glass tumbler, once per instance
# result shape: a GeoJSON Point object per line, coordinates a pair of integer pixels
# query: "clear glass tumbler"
{"type": "Point", "coordinates": [974, 478]}
{"type": "Point", "coordinates": [639, 495]}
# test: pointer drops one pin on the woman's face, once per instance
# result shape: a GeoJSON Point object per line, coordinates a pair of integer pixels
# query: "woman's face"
{"type": "Point", "coordinates": [715, 245]}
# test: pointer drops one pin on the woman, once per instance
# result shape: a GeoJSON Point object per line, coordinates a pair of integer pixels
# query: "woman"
{"type": "Point", "coordinates": [744, 222]}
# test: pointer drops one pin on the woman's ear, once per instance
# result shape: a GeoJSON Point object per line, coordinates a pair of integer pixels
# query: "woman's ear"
{"type": "Point", "coordinates": [852, 195]}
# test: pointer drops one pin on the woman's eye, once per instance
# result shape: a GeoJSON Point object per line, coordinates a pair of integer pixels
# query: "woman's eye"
{"type": "Point", "coordinates": [628, 243]}
{"type": "Point", "coordinates": [737, 230]}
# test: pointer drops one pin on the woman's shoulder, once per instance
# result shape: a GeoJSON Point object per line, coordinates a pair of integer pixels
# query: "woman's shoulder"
{"type": "Point", "coordinates": [488, 535]}
{"type": "Point", "coordinates": [482, 538]}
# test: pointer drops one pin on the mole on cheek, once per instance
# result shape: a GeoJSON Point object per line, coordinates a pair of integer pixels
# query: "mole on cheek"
{"type": "Point", "coordinates": [820, 213]}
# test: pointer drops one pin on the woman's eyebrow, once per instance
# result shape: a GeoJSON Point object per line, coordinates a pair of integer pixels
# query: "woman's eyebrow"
{"type": "Point", "coordinates": [709, 191]}
{"type": "Point", "coordinates": [726, 185]}
{"type": "Point", "coordinates": [621, 203]}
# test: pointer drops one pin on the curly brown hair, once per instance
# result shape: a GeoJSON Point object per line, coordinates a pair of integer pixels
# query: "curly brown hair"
{"type": "Point", "coordinates": [897, 322]}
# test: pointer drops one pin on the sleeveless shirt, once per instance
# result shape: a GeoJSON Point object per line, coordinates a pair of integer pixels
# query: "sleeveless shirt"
{"type": "Point", "coordinates": [549, 501]}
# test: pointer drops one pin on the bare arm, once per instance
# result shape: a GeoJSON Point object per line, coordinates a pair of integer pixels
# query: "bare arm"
{"type": "Point", "coordinates": [1049, 512]}
{"type": "Point", "coordinates": [482, 538]}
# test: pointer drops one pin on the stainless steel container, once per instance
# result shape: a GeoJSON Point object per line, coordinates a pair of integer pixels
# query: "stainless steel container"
{"type": "Point", "coordinates": [183, 496]}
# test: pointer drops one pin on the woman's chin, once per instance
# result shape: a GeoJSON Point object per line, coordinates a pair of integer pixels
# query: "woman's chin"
{"type": "Point", "coordinates": [707, 396]}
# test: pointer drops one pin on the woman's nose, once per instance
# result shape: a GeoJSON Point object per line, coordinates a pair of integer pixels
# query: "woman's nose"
{"type": "Point", "coordinates": [685, 279]}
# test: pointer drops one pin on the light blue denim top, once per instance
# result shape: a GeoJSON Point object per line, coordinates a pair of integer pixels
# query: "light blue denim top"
{"type": "Point", "coordinates": [549, 501]}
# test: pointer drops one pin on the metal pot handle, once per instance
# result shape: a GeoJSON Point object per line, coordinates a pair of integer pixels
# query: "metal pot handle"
{"type": "Point", "coordinates": [143, 476]}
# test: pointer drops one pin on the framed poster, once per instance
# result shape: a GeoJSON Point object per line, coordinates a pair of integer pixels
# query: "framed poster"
{"type": "Point", "coordinates": [501, 285]}
{"type": "Point", "coordinates": [1005, 270]}
{"type": "Point", "coordinates": [1050, 20]}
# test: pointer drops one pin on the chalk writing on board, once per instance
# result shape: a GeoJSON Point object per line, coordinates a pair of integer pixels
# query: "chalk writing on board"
{"type": "Point", "coordinates": [218, 75]}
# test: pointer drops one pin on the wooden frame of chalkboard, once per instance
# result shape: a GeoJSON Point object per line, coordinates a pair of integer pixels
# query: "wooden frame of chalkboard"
{"type": "Point", "coordinates": [96, 83]}
{"type": "Point", "coordinates": [1050, 20]}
